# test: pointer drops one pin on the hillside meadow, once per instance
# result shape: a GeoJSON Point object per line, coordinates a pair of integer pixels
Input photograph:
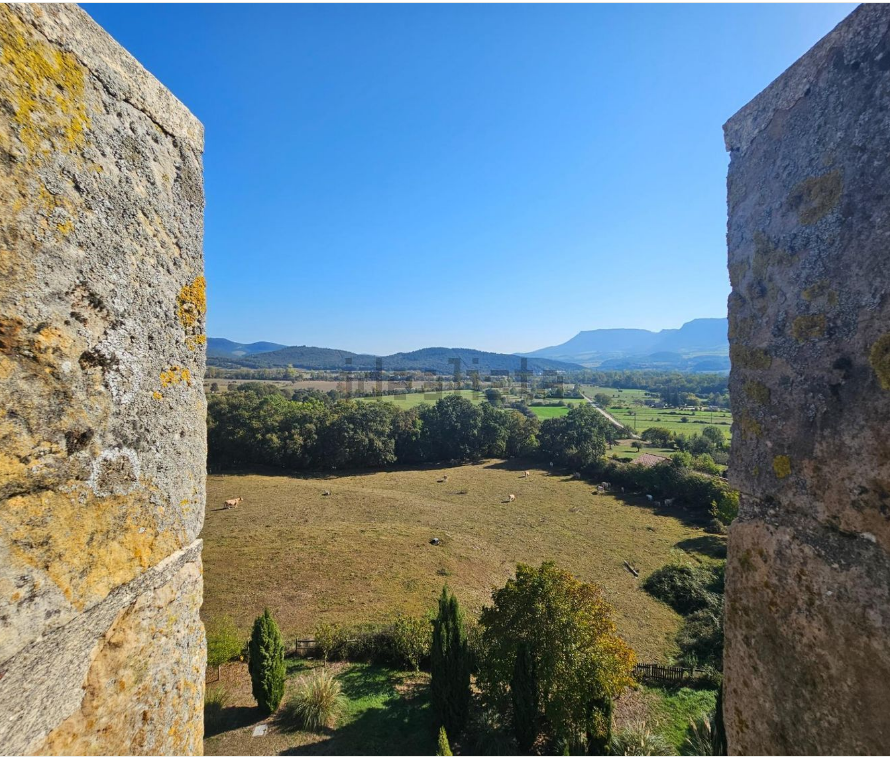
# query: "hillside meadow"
{"type": "Point", "coordinates": [363, 553]}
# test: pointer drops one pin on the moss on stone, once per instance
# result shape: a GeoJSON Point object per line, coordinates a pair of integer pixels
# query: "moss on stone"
{"type": "Point", "coordinates": [757, 391]}
{"type": "Point", "coordinates": [750, 357]}
{"type": "Point", "coordinates": [879, 357]}
{"type": "Point", "coordinates": [808, 327]}
{"type": "Point", "coordinates": [813, 198]}
{"type": "Point", "coordinates": [782, 466]}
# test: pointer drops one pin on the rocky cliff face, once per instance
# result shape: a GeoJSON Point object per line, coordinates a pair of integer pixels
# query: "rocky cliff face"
{"type": "Point", "coordinates": [808, 577]}
{"type": "Point", "coordinates": [102, 436]}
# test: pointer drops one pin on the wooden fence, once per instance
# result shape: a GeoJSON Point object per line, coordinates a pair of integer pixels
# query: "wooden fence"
{"type": "Point", "coordinates": [679, 675]}
{"type": "Point", "coordinates": [305, 647]}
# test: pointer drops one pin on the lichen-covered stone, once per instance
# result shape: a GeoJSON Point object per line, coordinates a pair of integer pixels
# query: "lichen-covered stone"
{"type": "Point", "coordinates": [101, 310]}
{"type": "Point", "coordinates": [807, 661]}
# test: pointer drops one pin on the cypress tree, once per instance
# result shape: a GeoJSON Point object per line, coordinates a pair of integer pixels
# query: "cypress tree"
{"type": "Point", "coordinates": [443, 748]}
{"type": "Point", "coordinates": [266, 663]}
{"type": "Point", "coordinates": [524, 693]}
{"type": "Point", "coordinates": [450, 665]}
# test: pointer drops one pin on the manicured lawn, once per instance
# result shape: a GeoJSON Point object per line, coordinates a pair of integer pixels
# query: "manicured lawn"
{"type": "Point", "coordinates": [363, 553]}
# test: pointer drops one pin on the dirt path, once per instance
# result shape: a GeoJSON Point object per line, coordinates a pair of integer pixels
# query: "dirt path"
{"type": "Point", "coordinates": [609, 415]}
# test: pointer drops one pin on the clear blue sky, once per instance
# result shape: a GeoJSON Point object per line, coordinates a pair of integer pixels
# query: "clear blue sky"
{"type": "Point", "coordinates": [382, 178]}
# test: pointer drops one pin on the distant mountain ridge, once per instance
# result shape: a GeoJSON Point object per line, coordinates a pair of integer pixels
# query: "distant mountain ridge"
{"type": "Point", "coordinates": [700, 338]}
{"type": "Point", "coordinates": [223, 347]}
{"type": "Point", "coordinates": [438, 359]}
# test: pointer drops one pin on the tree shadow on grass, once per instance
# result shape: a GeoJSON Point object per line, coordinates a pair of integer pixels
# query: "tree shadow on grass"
{"type": "Point", "coordinates": [396, 722]}
{"type": "Point", "coordinates": [231, 718]}
{"type": "Point", "coordinates": [710, 545]}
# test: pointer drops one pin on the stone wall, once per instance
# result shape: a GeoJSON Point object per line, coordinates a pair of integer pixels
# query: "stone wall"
{"type": "Point", "coordinates": [102, 436]}
{"type": "Point", "coordinates": [808, 580]}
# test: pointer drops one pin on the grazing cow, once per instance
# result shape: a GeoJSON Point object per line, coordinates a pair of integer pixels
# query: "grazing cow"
{"type": "Point", "coordinates": [326, 492]}
{"type": "Point", "coordinates": [233, 502]}
{"type": "Point", "coordinates": [525, 475]}
{"type": "Point", "coordinates": [444, 479]}
{"type": "Point", "coordinates": [434, 541]}
{"type": "Point", "coordinates": [576, 475]}
{"type": "Point", "coordinates": [649, 498]}
{"type": "Point", "coordinates": [511, 498]}
{"type": "Point", "coordinates": [669, 501]}
{"type": "Point", "coordinates": [607, 485]}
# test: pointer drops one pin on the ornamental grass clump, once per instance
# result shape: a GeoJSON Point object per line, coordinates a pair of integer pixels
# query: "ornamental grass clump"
{"type": "Point", "coordinates": [316, 703]}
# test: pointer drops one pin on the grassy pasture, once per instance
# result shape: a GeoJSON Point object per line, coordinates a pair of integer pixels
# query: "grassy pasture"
{"type": "Point", "coordinates": [646, 417]}
{"type": "Point", "coordinates": [407, 401]}
{"type": "Point", "coordinates": [363, 553]}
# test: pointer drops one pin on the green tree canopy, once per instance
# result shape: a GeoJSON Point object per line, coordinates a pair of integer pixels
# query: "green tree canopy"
{"type": "Point", "coordinates": [577, 655]}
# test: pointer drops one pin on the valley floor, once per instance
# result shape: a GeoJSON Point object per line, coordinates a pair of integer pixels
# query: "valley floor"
{"type": "Point", "coordinates": [363, 553]}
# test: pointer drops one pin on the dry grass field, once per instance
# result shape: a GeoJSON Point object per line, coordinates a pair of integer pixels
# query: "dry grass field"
{"type": "Point", "coordinates": [363, 552]}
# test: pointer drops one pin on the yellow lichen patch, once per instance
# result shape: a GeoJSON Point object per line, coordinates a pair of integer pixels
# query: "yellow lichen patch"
{"type": "Point", "coordinates": [757, 391]}
{"type": "Point", "coordinates": [192, 302]}
{"type": "Point", "coordinates": [782, 466]}
{"type": "Point", "coordinates": [813, 198]}
{"type": "Point", "coordinates": [749, 357]}
{"type": "Point", "coordinates": [157, 395]}
{"type": "Point", "coordinates": [86, 545]}
{"type": "Point", "coordinates": [195, 342]}
{"type": "Point", "coordinates": [808, 327]}
{"type": "Point", "coordinates": [879, 357]}
{"type": "Point", "coordinates": [174, 375]}
{"type": "Point", "coordinates": [45, 87]}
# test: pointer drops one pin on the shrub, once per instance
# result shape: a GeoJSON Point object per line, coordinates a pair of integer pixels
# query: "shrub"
{"type": "Point", "coordinates": [443, 749]}
{"type": "Point", "coordinates": [223, 642]}
{"type": "Point", "coordinates": [726, 508]}
{"type": "Point", "coordinates": [701, 637]}
{"type": "Point", "coordinates": [331, 641]}
{"type": "Point", "coordinates": [266, 663]}
{"type": "Point", "coordinates": [638, 740]}
{"type": "Point", "coordinates": [316, 703]}
{"type": "Point", "coordinates": [683, 587]}
{"type": "Point", "coordinates": [450, 665]}
{"type": "Point", "coordinates": [411, 640]}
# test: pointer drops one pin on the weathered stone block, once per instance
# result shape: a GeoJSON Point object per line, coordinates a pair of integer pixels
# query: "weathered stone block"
{"type": "Point", "coordinates": [102, 435]}
{"type": "Point", "coordinates": [808, 580]}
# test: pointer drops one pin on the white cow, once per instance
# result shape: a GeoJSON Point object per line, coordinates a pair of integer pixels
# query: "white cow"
{"type": "Point", "coordinates": [649, 498]}
{"type": "Point", "coordinates": [233, 502]}
{"type": "Point", "coordinates": [669, 501]}
{"type": "Point", "coordinates": [525, 475]}
{"type": "Point", "coordinates": [576, 475]}
{"type": "Point", "coordinates": [607, 485]}
{"type": "Point", "coordinates": [511, 498]}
